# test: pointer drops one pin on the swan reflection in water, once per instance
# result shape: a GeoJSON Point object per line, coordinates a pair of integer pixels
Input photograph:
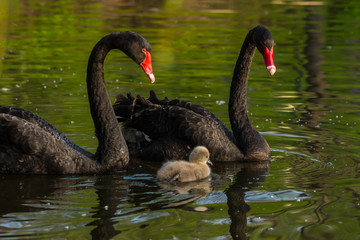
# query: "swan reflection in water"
{"type": "Point", "coordinates": [248, 178]}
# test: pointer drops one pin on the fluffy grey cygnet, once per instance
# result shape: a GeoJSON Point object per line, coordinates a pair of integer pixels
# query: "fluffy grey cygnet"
{"type": "Point", "coordinates": [186, 171]}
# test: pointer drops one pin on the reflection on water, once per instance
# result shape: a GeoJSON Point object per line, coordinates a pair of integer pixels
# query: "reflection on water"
{"type": "Point", "coordinates": [308, 112]}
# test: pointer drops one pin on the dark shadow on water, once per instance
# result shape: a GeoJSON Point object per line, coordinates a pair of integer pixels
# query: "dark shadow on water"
{"type": "Point", "coordinates": [314, 43]}
{"type": "Point", "coordinates": [17, 189]}
{"type": "Point", "coordinates": [249, 177]}
{"type": "Point", "coordinates": [314, 108]}
{"type": "Point", "coordinates": [110, 192]}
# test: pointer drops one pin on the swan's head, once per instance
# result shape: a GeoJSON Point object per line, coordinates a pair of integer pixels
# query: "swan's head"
{"type": "Point", "coordinates": [140, 51]}
{"type": "Point", "coordinates": [264, 42]}
{"type": "Point", "coordinates": [200, 154]}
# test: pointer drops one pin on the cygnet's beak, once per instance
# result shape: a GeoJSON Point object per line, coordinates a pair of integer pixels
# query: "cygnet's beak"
{"type": "Point", "coordinates": [209, 162]}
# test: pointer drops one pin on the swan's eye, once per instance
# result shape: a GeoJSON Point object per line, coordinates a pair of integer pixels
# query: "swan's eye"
{"type": "Point", "coordinates": [144, 50]}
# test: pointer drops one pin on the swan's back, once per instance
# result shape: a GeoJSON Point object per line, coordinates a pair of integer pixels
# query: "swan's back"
{"type": "Point", "coordinates": [177, 125]}
{"type": "Point", "coordinates": [25, 139]}
{"type": "Point", "coordinates": [32, 118]}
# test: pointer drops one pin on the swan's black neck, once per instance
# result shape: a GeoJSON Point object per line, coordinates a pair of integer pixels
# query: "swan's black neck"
{"type": "Point", "coordinates": [246, 136]}
{"type": "Point", "coordinates": [237, 102]}
{"type": "Point", "coordinates": [112, 149]}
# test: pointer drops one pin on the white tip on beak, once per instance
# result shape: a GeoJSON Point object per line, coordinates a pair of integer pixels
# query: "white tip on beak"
{"type": "Point", "coordinates": [271, 69]}
{"type": "Point", "coordinates": [151, 77]}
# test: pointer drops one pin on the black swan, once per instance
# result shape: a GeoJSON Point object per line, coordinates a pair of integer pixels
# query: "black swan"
{"type": "Point", "coordinates": [187, 171]}
{"type": "Point", "coordinates": [172, 128]}
{"type": "Point", "coordinates": [29, 144]}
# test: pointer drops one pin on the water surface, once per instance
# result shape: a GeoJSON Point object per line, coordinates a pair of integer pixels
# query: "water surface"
{"type": "Point", "coordinates": [308, 112]}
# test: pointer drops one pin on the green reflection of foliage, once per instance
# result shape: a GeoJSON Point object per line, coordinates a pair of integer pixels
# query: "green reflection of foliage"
{"type": "Point", "coordinates": [44, 46]}
{"type": "Point", "coordinates": [3, 28]}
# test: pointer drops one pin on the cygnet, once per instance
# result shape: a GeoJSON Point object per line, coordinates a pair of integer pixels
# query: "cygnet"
{"type": "Point", "coordinates": [186, 171]}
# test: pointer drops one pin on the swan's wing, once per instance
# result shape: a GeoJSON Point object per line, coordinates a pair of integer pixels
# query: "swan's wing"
{"type": "Point", "coordinates": [25, 147]}
{"type": "Point", "coordinates": [156, 149]}
{"type": "Point", "coordinates": [28, 137]}
{"type": "Point", "coordinates": [123, 105]}
{"type": "Point", "coordinates": [181, 123]}
{"type": "Point", "coordinates": [32, 118]}
{"type": "Point", "coordinates": [19, 117]}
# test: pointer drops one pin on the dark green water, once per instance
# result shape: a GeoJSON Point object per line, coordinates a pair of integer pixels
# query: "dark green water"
{"type": "Point", "coordinates": [308, 111]}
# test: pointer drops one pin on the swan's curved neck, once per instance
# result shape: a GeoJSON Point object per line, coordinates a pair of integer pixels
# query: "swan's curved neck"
{"type": "Point", "coordinates": [252, 144]}
{"type": "Point", "coordinates": [237, 103]}
{"type": "Point", "coordinates": [112, 149]}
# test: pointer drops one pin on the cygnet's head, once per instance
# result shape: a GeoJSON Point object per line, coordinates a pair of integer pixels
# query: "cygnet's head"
{"type": "Point", "coordinates": [199, 154]}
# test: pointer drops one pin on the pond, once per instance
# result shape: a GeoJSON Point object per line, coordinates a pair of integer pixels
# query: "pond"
{"type": "Point", "coordinates": [309, 112]}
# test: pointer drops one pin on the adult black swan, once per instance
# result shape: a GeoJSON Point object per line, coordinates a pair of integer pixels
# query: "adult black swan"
{"type": "Point", "coordinates": [29, 144]}
{"type": "Point", "coordinates": [174, 127]}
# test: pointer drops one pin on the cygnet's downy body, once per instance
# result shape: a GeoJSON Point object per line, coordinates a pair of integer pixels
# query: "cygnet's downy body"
{"type": "Point", "coordinates": [186, 171]}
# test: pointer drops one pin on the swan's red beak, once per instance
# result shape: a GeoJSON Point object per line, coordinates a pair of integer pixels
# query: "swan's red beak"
{"type": "Point", "coordinates": [268, 58]}
{"type": "Point", "coordinates": [147, 66]}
